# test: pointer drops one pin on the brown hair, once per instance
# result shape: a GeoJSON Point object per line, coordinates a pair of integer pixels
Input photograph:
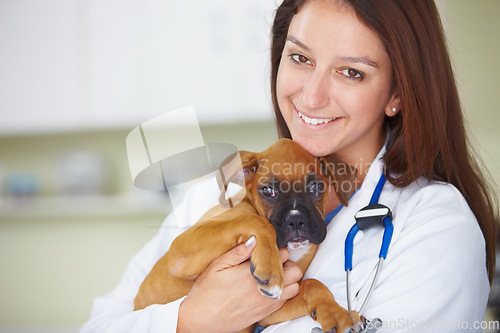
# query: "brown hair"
{"type": "Point", "coordinates": [427, 137]}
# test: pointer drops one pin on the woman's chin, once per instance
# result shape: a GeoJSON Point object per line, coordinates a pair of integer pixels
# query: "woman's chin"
{"type": "Point", "coordinates": [314, 147]}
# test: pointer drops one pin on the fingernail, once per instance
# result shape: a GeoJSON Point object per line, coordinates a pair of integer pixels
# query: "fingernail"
{"type": "Point", "coordinates": [250, 242]}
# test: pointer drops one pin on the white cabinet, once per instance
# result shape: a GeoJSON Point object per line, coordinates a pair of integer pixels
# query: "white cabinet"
{"type": "Point", "coordinates": [39, 78]}
{"type": "Point", "coordinates": [113, 63]}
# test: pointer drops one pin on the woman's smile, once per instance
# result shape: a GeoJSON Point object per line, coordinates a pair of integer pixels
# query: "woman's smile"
{"type": "Point", "coordinates": [315, 123]}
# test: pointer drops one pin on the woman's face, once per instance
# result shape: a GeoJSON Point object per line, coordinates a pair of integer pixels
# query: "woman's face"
{"type": "Point", "coordinates": [334, 83]}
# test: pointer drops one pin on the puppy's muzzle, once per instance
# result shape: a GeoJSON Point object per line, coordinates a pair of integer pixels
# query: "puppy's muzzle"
{"type": "Point", "coordinates": [297, 224]}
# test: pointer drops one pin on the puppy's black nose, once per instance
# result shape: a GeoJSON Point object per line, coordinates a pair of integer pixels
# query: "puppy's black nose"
{"type": "Point", "coordinates": [294, 219]}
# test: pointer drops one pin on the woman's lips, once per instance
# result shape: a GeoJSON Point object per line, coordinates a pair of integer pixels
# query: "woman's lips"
{"type": "Point", "coordinates": [315, 122]}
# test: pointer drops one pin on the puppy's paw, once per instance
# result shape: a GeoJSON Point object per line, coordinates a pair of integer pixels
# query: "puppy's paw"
{"type": "Point", "coordinates": [337, 319]}
{"type": "Point", "coordinates": [269, 277]}
{"type": "Point", "coordinates": [271, 292]}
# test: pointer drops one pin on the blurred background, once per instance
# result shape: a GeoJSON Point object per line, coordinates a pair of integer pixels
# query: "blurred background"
{"type": "Point", "coordinates": [76, 76]}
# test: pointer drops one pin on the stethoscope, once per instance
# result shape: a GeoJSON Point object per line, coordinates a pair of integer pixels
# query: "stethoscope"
{"type": "Point", "coordinates": [369, 216]}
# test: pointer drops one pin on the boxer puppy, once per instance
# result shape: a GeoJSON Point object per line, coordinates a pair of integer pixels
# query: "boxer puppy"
{"type": "Point", "coordinates": [282, 205]}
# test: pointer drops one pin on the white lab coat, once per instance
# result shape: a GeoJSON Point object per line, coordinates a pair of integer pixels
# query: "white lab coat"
{"type": "Point", "coordinates": [434, 278]}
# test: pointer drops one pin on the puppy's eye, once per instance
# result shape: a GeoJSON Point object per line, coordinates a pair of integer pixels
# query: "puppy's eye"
{"type": "Point", "coordinates": [316, 187]}
{"type": "Point", "coordinates": [268, 191]}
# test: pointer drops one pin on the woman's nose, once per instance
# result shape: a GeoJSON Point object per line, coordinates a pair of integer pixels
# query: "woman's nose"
{"type": "Point", "coordinates": [316, 90]}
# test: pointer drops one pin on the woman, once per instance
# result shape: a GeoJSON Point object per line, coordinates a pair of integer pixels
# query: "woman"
{"type": "Point", "coordinates": [370, 82]}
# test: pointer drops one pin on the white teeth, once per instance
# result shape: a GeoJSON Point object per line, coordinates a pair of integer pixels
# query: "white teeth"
{"type": "Point", "coordinates": [315, 121]}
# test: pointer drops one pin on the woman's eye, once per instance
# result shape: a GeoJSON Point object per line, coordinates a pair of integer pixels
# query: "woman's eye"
{"type": "Point", "coordinates": [301, 59]}
{"type": "Point", "coordinates": [351, 73]}
{"type": "Point", "coordinates": [268, 191]}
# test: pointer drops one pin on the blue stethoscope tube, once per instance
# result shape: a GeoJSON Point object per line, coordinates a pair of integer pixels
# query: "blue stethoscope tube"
{"type": "Point", "coordinates": [370, 215]}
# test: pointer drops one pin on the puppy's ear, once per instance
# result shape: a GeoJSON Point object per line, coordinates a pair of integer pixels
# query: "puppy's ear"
{"type": "Point", "coordinates": [238, 168]}
{"type": "Point", "coordinates": [341, 175]}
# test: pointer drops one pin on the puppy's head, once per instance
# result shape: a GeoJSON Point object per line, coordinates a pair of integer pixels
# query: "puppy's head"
{"type": "Point", "coordinates": [289, 186]}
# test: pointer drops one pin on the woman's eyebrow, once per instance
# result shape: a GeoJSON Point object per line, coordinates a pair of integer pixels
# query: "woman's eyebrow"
{"type": "Point", "coordinates": [363, 60]}
{"type": "Point", "coordinates": [297, 42]}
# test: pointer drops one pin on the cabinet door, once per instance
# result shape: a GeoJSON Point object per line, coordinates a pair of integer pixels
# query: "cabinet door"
{"type": "Point", "coordinates": [70, 64]}
{"type": "Point", "coordinates": [40, 65]}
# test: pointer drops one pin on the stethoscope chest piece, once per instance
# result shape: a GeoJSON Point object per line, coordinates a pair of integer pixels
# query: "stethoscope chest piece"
{"type": "Point", "coordinates": [372, 326]}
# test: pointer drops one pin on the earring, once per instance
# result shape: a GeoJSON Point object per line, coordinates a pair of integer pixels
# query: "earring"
{"type": "Point", "coordinates": [394, 110]}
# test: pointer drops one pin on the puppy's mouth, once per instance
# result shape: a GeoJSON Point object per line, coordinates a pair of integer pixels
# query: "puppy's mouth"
{"type": "Point", "coordinates": [298, 243]}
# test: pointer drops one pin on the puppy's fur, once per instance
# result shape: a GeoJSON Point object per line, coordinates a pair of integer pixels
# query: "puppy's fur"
{"type": "Point", "coordinates": [283, 206]}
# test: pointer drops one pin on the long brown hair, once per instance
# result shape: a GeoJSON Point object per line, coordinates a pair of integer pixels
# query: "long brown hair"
{"type": "Point", "coordinates": [427, 137]}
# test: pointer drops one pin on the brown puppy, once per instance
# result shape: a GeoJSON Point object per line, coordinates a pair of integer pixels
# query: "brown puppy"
{"type": "Point", "coordinates": [283, 206]}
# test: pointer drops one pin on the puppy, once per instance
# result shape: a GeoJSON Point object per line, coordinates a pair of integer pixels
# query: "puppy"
{"type": "Point", "coordinates": [282, 205]}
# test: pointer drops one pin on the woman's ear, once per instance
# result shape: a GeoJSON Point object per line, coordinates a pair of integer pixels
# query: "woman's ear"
{"type": "Point", "coordinates": [394, 105]}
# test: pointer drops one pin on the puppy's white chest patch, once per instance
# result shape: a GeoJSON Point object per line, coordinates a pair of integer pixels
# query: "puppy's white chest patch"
{"type": "Point", "coordinates": [297, 254]}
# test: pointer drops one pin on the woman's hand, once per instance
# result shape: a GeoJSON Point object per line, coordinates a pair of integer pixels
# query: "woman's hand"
{"type": "Point", "coordinates": [225, 297]}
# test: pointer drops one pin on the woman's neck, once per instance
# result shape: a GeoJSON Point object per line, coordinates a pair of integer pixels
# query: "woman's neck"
{"type": "Point", "coordinates": [362, 161]}
{"type": "Point", "coordinates": [362, 157]}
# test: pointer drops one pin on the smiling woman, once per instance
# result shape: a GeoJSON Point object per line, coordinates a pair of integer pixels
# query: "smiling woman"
{"type": "Point", "coordinates": [406, 77]}
{"type": "Point", "coordinates": [349, 75]}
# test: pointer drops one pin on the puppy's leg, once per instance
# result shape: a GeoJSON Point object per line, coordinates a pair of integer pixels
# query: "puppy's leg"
{"type": "Point", "coordinates": [191, 253]}
{"type": "Point", "coordinates": [200, 245]}
{"type": "Point", "coordinates": [315, 300]}
{"type": "Point", "coordinates": [161, 287]}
